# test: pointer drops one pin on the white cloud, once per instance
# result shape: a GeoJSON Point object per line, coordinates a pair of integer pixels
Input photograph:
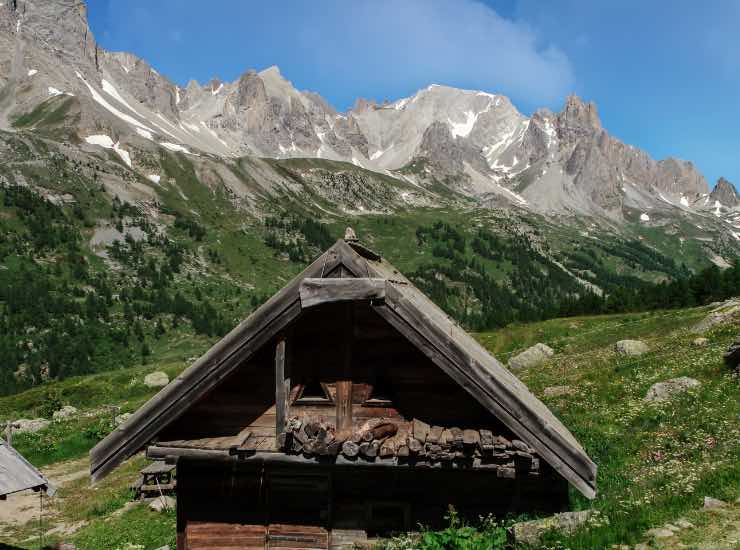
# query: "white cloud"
{"type": "Point", "coordinates": [460, 42]}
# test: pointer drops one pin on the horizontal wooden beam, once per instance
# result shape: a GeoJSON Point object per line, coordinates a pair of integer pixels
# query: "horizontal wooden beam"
{"type": "Point", "coordinates": [315, 292]}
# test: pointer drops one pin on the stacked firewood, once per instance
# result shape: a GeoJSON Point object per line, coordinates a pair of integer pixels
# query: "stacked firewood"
{"type": "Point", "coordinates": [413, 441]}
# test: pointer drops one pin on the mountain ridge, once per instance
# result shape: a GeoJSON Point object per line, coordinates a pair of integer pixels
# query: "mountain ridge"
{"type": "Point", "coordinates": [562, 163]}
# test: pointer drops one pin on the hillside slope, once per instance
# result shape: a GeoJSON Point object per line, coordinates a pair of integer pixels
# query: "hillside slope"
{"type": "Point", "coordinates": [656, 461]}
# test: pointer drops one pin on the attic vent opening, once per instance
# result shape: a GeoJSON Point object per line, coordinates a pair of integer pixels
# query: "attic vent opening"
{"type": "Point", "coordinates": [313, 393]}
{"type": "Point", "coordinates": [381, 394]}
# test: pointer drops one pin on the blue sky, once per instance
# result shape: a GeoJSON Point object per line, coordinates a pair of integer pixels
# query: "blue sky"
{"type": "Point", "coordinates": [665, 75]}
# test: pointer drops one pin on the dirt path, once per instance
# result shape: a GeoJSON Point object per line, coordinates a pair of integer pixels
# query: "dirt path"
{"type": "Point", "coordinates": [20, 508]}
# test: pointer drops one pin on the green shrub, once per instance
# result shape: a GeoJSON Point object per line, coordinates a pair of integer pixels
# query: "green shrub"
{"type": "Point", "coordinates": [52, 403]}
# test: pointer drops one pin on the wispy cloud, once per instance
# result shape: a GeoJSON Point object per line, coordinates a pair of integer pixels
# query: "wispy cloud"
{"type": "Point", "coordinates": [365, 48]}
{"type": "Point", "coordinates": [460, 42]}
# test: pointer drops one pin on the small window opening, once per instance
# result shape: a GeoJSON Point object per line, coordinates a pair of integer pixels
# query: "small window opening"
{"type": "Point", "coordinates": [381, 393]}
{"type": "Point", "coordinates": [313, 392]}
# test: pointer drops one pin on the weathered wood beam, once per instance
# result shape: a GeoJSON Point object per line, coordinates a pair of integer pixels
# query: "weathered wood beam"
{"type": "Point", "coordinates": [315, 292]}
{"type": "Point", "coordinates": [344, 386]}
{"type": "Point", "coordinates": [282, 385]}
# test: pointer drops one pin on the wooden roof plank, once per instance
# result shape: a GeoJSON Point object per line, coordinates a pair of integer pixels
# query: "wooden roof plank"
{"type": "Point", "coordinates": [317, 291]}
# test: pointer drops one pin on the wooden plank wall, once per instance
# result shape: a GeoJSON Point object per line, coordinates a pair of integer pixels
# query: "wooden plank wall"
{"type": "Point", "coordinates": [217, 502]}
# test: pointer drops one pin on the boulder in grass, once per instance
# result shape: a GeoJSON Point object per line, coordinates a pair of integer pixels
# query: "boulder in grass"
{"type": "Point", "coordinates": [530, 532]}
{"type": "Point", "coordinates": [156, 379]}
{"type": "Point", "coordinates": [700, 342]}
{"type": "Point", "coordinates": [711, 503]}
{"type": "Point", "coordinates": [726, 312]}
{"type": "Point", "coordinates": [631, 347]}
{"type": "Point", "coordinates": [663, 391]}
{"type": "Point", "coordinates": [68, 411]}
{"type": "Point", "coordinates": [162, 503]}
{"type": "Point", "coordinates": [557, 391]}
{"type": "Point", "coordinates": [531, 357]}
{"type": "Point", "coordinates": [25, 425]}
{"type": "Point", "coordinates": [732, 355]}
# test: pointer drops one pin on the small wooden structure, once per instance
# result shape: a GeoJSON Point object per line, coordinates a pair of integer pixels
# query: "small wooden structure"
{"type": "Point", "coordinates": [17, 474]}
{"type": "Point", "coordinates": [347, 406]}
{"type": "Point", "coordinates": [157, 479]}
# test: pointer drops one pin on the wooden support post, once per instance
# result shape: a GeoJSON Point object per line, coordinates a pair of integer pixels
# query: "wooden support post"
{"type": "Point", "coordinates": [282, 385]}
{"type": "Point", "coordinates": [344, 386]}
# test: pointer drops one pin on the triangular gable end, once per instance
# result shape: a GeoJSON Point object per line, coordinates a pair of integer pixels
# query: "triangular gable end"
{"type": "Point", "coordinates": [405, 308]}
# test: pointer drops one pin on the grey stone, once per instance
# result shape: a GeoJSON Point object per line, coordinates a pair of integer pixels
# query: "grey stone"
{"type": "Point", "coordinates": [631, 347]}
{"type": "Point", "coordinates": [530, 532]}
{"type": "Point", "coordinates": [663, 391]}
{"type": "Point", "coordinates": [725, 313]}
{"type": "Point", "coordinates": [659, 533]}
{"type": "Point", "coordinates": [683, 524]}
{"type": "Point", "coordinates": [25, 425]}
{"type": "Point", "coordinates": [557, 391]}
{"type": "Point", "coordinates": [531, 357]}
{"type": "Point", "coordinates": [156, 379]}
{"type": "Point", "coordinates": [711, 503]}
{"type": "Point", "coordinates": [68, 411]}
{"type": "Point", "coordinates": [121, 418]}
{"type": "Point", "coordinates": [162, 503]}
{"type": "Point", "coordinates": [700, 342]}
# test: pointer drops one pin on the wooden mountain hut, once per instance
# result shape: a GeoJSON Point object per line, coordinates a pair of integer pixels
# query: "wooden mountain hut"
{"type": "Point", "coordinates": [346, 407]}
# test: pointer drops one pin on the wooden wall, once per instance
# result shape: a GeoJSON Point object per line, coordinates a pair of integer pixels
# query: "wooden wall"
{"type": "Point", "coordinates": [238, 505]}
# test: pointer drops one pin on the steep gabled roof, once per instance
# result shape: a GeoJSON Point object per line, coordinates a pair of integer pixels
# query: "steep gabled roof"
{"type": "Point", "coordinates": [17, 474]}
{"type": "Point", "coordinates": [415, 316]}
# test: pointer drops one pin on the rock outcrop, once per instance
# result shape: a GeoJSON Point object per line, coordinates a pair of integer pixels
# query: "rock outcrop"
{"type": "Point", "coordinates": [156, 379]}
{"type": "Point", "coordinates": [663, 391]}
{"type": "Point", "coordinates": [631, 347]}
{"type": "Point", "coordinates": [531, 357]}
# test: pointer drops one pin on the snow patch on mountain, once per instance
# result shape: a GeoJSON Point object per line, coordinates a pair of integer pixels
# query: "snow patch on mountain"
{"type": "Point", "coordinates": [106, 142]}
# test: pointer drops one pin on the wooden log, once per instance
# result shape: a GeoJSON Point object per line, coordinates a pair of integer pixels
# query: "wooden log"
{"type": "Point", "coordinates": [320, 448]}
{"type": "Point", "coordinates": [457, 438]}
{"type": "Point", "coordinates": [384, 430]}
{"type": "Point", "coordinates": [356, 437]}
{"type": "Point", "coordinates": [312, 428]}
{"type": "Point", "coordinates": [506, 472]}
{"type": "Point", "coordinates": [321, 435]}
{"type": "Point", "coordinates": [446, 438]}
{"type": "Point", "coordinates": [333, 448]}
{"type": "Point", "coordinates": [387, 448]}
{"type": "Point", "coordinates": [420, 430]}
{"type": "Point", "coordinates": [300, 436]}
{"type": "Point", "coordinates": [415, 445]}
{"type": "Point", "coordinates": [367, 436]}
{"type": "Point", "coordinates": [294, 424]}
{"type": "Point", "coordinates": [403, 451]}
{"type": "Point", "coordinates": [435, 435]}
{"type": "Point", "coordinates": [486, 440]}
{"type": "Point", "coordinates": [369, 449]}
{"type": "Point", "coordinates": [284, 441]}
{"type": "Point", "coordinates": [502, 441]}
{"type": "Point", "coordinates": [350, 449]}
{"type": "Point", "coordinates": [471, 437]}
{"type": "Point", "coordinates": [297, 446]}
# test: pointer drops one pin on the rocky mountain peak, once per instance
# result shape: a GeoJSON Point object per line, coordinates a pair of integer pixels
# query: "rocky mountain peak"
{"type": "Point", "coordinates": [60, 25]}
{"type": "Point", "coordinates": [725, 193]}
{"type": "Point", "coordinates": [680, 177]}
{"type": "Point", "coordinates": [578, 117]}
